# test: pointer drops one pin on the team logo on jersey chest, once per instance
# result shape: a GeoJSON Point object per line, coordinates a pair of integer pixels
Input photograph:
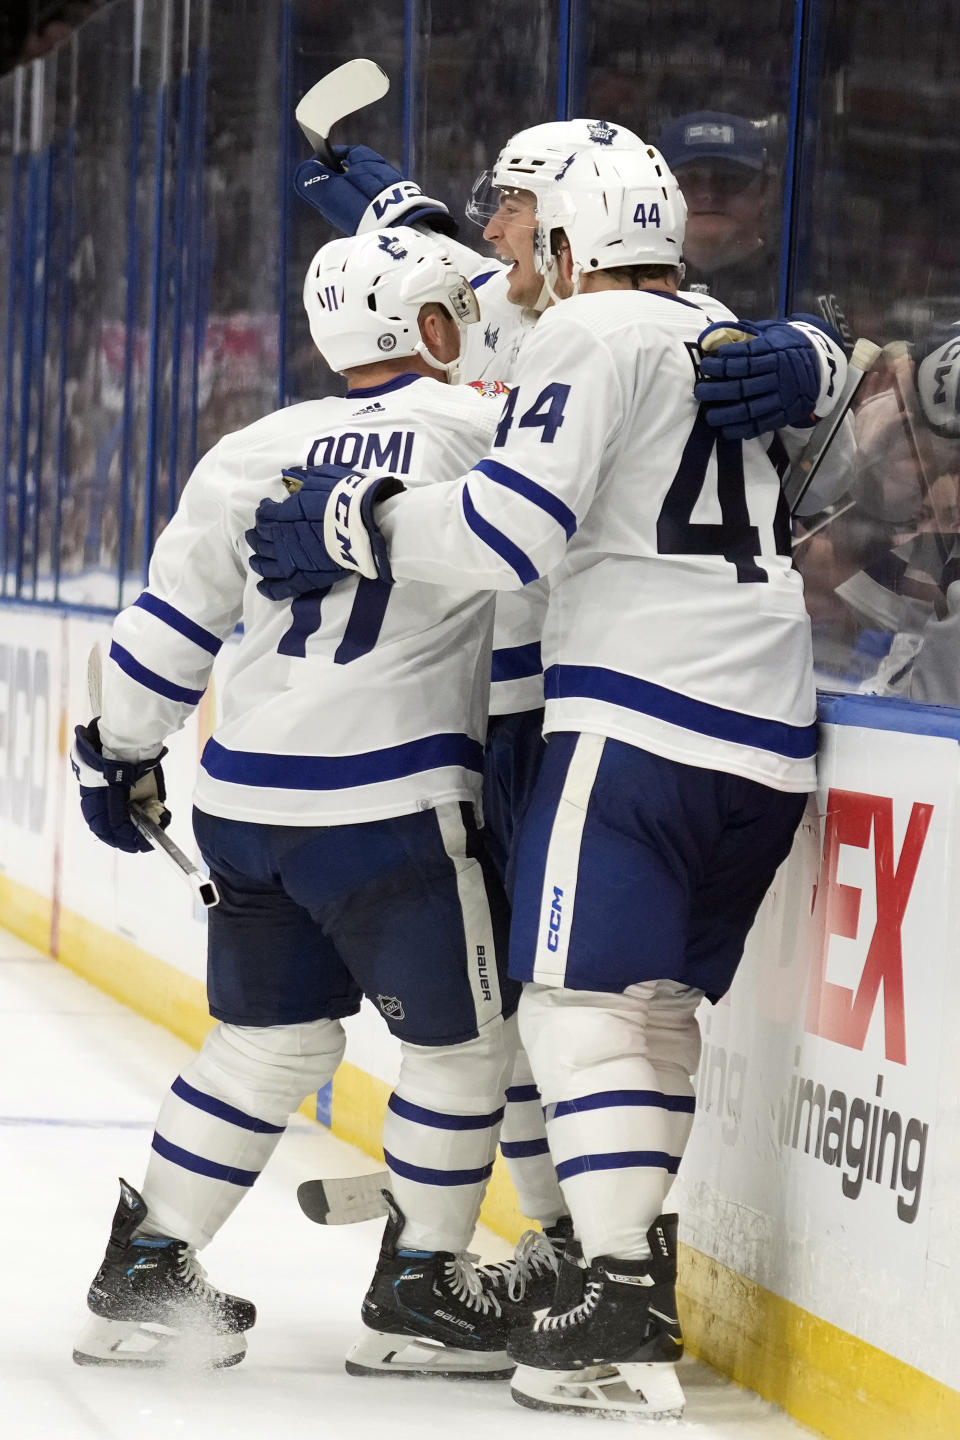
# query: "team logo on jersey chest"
{"type": "Point", "coordinates": [601, 132]}
{"type": "Point", "coordinates": [391, 1007]}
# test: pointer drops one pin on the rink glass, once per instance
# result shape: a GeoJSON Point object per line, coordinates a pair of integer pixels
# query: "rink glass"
{"type": "Point", "coordinates": [152, 251]}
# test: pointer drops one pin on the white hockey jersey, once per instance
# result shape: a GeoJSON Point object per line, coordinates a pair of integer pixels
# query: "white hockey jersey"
{"type": "Point", "coordinates": [675, 622]}
{"type": "Point", "coordinates": [358, 703]}
{"type": "Point", "coordinates": [491, 351]}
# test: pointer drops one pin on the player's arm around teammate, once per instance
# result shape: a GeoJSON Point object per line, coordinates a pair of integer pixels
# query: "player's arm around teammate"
{"type": "Point", "coordinates": [681, 709]}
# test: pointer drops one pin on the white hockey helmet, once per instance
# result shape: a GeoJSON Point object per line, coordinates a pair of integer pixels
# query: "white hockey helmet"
{"type": "Point", "coordinates": [938, 382]}
{"type": "Point", "coordinates": [534, 159]}
{"type": "Point", "coordinates": [363, 295]}
{"type": "Point", "coordinates": [616, 207]}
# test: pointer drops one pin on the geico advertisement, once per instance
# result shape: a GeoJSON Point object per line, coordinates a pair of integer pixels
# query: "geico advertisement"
{"type": "Point", "coordinates": [29, 716]}
{"type": "Point", "coordinates": [818, 1081]}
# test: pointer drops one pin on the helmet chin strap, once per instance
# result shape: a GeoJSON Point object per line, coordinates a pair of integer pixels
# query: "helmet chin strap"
{"type": "Point", "coordinates": [548, 294]}
{"type": "Point", "coordinates": [451, 368]}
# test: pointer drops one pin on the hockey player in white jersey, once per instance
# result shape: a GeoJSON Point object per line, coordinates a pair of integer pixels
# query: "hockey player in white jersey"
{"type": "Point", "coordinates": [335, 809]}
{"type": "Point", "coordinates": [774, 383]}
{"type": "Point", "coordinates": [681, 714]}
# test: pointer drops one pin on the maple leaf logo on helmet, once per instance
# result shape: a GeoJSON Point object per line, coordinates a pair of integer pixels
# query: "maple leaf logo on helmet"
{"type": "Point", "coordinates": [601, 132]}
{"type": "Point", "coordinates": [392, 246]}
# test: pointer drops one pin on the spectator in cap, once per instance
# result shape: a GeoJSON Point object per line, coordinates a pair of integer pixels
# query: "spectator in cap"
{"type": "Point", "coordinates": [723, 169]}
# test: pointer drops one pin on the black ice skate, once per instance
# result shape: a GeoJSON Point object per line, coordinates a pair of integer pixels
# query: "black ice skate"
{"type": "Point", "coordinates": [427, 1312]}
{"type": "Point", "coordinates": [532, 1275]}
{"type": "Point", "coordinates": [151, 1303]}
{"type": "Point", "coordinates": [616, 1351]}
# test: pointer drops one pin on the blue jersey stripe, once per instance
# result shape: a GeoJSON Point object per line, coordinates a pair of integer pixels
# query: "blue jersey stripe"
{"type": "Point", "coordinates": [669, 295]}
{"type": "Point", "coordinates": [340, 772]}
{"type": "Point", "coordinates": [151, 680]}
{"type": "Point", "coordinates": [437, 1177]}
{"type": "Point", "coordinates": [399, 382]}
{"type": "Point", "coordinates": [523, 1149]}
{"type": "Point", "coordinates": [498, 542]}
{"type": "Point", "coordinates": [518, 1093]}
{"type": "Point", "coordinates": [438, 1121]}
{"type": "Point", "coordinates": [619, 1160]}
{"type": "Point", "coordinates": [522, 485]}
{"type": "Point", "coordinates": [173, 617]}
{"type": "Point", "coordinates": [222, 1111]}
{"type": "Point", "coordinates": [516, 662]}
{"type": "Point", "coordinates": [591, 682]}
{"type": "Point", "coordinates": [200, 1165]}
{"type": "Point", "coordinates": [482, 279]}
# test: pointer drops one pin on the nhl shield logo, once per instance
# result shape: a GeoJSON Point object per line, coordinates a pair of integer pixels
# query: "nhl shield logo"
{"type": "Point", "coordinates": [601, 132]}
{"type": "Point", "coordinates": [390, 1006]}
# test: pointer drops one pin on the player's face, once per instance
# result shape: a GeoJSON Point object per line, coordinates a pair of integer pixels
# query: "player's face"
{"type": "Point", "coordinates": [511, 230]}
{"type": "Point", "coordinates": [725, 212]}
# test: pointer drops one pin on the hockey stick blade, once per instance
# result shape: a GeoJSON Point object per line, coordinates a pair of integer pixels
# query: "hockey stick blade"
{"type": "Point", "coordinates": [799, 477]}
{"type": "Point", "coordinates": [344, 1201]}
{"type": "Point", "coordinates": [350, 87]}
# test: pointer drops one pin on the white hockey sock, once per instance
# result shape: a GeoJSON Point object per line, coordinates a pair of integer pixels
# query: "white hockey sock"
{"type": "Point", "coordinates": [524, 1146]}
{"type": "Point", "coordinates": [440, 1136]}
{"type": "Point", "coordinates": [618, 1115]}
{"type": "Point", "coordinates": [223, 1118]}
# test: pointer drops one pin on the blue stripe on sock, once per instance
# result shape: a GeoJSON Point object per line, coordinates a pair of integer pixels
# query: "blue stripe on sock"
{"type": "Point", "coordinates": [437, 1177]}
{"type": "Point", "coordinates": [518, 1093]}
{"type": "Point", "coordinates": [200, 1165]}
{"type": "Point", "coordinates": [610, 1099]}
{"type": "Point", "coordinates": [221, 1110]}
{"type": "Point", "coordinates": [438, 1121]}
{"type": "Point", "coordinates": [523, 1149]}
{"type": "Point", "coordinates": [619, 1160]}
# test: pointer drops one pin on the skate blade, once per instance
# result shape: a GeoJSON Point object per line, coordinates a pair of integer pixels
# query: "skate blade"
{"type": "Point", "coordinates": [379, 1353]}
{"type": "Point", "coordinates": [129, 1342]}
{"type": "Point", "coordinates": [615, 1392]}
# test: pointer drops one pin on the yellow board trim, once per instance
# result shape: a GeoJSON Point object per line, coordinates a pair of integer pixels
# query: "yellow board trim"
{"type": "Point", "coordinates": [819, 1374]}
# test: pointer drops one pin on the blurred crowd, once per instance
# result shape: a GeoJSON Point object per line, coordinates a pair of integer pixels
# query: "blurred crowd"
{"type": "Point", "coordinates": [30, 29]}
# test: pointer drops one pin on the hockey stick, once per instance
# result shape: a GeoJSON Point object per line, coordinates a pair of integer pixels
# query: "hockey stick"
{"type": "Point", "coordinates": [800, 476]}
{"type": "Point", "coordinates": [201, 885]}
{"type": "Point", "coordinates": [344, 1201]}
{"type": "Point", "coordinates": [348, 88]}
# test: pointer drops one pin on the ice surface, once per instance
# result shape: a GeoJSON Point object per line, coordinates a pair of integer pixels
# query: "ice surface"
{"type": "Point", "coordinates": [81, 1079]}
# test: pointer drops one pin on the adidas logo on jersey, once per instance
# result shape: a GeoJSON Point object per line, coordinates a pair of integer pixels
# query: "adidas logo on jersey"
{"type": "Point", "coordinates": [370, 409]}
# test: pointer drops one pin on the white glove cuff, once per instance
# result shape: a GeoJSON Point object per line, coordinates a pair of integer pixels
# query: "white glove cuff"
{"type": "Point", "coordinates": [391, 205]}
{"type": "Point", "coordinates": [345, 535]}
{"type": "Point", "coordinates": [833, 366]}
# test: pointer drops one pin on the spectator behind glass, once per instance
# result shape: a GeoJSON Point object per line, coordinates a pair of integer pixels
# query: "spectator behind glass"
{"type": "Point", "coordinates": [724, 171]}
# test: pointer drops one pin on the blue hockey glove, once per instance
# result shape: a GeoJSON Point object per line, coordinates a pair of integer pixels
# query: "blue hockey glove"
{"type": "Point", "coordinates": [107, 788]}
{"type": "Point", "coordinates": [324, 530]}
{"type": "Point", "coordinates": [368, 194]}
{"type": "Point", "coordinates": [790, 373]}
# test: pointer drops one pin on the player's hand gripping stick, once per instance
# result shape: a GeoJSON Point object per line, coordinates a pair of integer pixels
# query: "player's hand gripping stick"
{"type": "Point", "coordinates": [142, 822]}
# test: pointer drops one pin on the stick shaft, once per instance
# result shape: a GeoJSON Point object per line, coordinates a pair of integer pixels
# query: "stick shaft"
{"type": "Point", "coordinates": [204, 888]}
{"type": "Point", "coordinates": [800, 476]}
